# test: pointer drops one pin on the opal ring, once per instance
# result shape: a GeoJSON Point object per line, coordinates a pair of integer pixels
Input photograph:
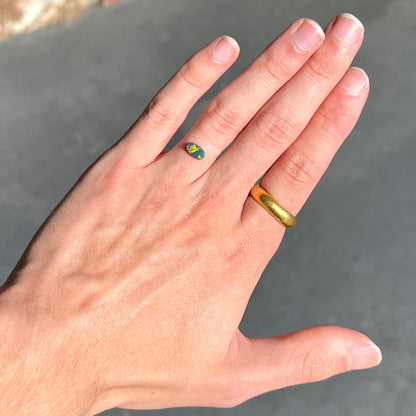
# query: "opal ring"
{"type": "Point", "coordinates": [195, 151]}
{"type": "Point", "coordinates": [272, 207]}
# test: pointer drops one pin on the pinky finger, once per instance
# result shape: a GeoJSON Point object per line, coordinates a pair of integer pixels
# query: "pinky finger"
{"type": "Point", "coordinates": [168, 109]}
{"type": "Point", "coordinates": [295, 174]}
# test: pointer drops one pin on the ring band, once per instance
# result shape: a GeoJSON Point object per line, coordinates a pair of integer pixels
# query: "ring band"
{"type": "Point", "coordinates": [272, 207]}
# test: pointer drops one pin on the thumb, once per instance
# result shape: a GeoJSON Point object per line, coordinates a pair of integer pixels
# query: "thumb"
{"type": "Point", "coordinates": [311, 354]}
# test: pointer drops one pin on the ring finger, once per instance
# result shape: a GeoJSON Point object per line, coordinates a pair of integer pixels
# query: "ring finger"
{"type": "Point", "coordinates": [294, 175]}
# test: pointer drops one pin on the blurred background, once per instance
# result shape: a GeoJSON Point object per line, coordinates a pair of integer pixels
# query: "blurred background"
{"type": "Point", "coordinates": [70, 91]}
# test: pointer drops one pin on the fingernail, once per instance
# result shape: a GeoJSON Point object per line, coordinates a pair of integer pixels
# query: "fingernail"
{"type": "Point", "coordinates": [330, 26]}
{"type": "Point", "coordinates": [364, 354]}
{"type": "Point", "coordinates": [224, 49]}
{"type": "Point", "coordinates": [347, 28]}
{"type": "Point", "coordinates": [354, 81]}
{"type": "Point", "coordinates": [307, 36]}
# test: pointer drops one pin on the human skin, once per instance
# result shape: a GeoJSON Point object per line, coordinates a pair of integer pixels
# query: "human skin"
{"type": "Point", "coordinates": [131, 293]}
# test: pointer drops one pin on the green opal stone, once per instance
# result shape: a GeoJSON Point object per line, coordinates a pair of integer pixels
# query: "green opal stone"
{"type": "Point", "coordinates": [195, 151]}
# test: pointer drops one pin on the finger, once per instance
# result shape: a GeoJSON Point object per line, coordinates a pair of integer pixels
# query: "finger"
{"type": "Point", "coordinates": [312, 354]}
{"type": "Point", "coordinates": [168, 109]}
{"type": "Point", "coordinates": [294, 175]}
{"type": "Point", "coordinates": [285, 116]}
{"type": "Point", "coordinates": [235, 105]}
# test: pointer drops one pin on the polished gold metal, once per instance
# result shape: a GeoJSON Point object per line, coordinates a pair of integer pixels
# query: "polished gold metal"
{"type": "Point", "coordinates": [272, 207]}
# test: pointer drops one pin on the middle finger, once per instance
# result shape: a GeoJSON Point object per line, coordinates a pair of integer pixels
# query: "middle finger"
{"type": "Point", "coordinates": [281, 120]}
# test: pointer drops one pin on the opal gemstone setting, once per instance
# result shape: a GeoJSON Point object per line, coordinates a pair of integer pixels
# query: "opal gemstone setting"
{"type": "Point", "coordinates": [195, 151]}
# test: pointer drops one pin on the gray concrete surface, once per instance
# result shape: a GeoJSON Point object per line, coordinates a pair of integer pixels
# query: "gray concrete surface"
{"type": "Point", "coordinates": [67, 93]}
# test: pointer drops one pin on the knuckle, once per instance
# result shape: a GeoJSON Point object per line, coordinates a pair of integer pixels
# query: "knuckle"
{"type": "Point", "coordinates": [274, 70]}
{"type": "Point", "coordinates": [191, 76]}
{"type": "Point", "coordinates": [274, 130]}
{"type": "Point", "coordinates": [117, 177]}
{"type": "Point", "coordinates": [224, 118]}
{"type": "Point", "coordinates": [243, 243]}
{"type": "Point", "coordinates": [334, 119]}
{"type": "Point", "coordinates": [320, 70]}
{"type": "Point", "coordinates": [313, 366]}
{"type": "Point", "coordinates": [299, 168]}
{"type": "Point", "coordinates": [325, 122]}
{"type": "Point", "coordinates": [161, 113]}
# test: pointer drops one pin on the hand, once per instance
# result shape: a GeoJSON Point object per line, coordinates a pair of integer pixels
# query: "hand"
{"type": "Point", "coordinates": [131, 293]}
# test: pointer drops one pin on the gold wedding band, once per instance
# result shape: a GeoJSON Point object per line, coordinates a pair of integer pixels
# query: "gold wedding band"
{"type": "Point", "coordinates": [272, 207]}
